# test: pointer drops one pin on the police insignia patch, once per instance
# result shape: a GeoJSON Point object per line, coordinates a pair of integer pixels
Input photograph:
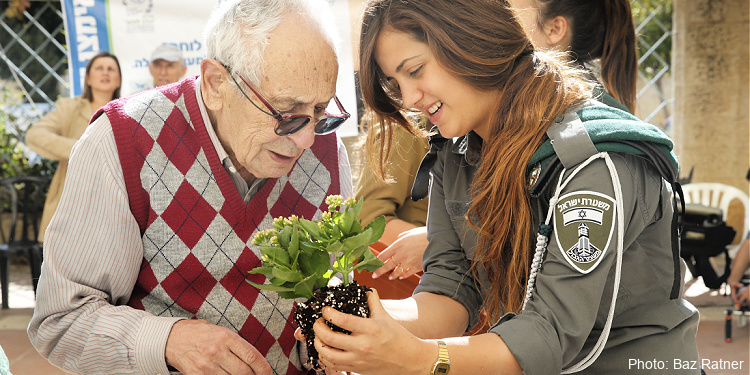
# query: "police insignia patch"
{"type": "Point", "coordinates": [584, 223]}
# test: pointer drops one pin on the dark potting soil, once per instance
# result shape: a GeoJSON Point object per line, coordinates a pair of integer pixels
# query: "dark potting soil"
{"type": "Point", "coordinates": [350, 299]}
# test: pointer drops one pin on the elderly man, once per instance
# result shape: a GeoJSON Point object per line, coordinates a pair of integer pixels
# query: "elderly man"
{"type": "Point", "coordinates": [147, 255]}
{"type": "Point", "coordinates": [166, 65]}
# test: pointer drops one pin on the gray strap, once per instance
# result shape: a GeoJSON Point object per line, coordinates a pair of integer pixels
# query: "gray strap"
{"type": "Point", "coordinates": [570, 140]}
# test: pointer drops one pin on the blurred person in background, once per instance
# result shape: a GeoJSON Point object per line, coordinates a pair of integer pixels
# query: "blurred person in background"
{"type": "Point", "coordinates": [54, 135]}
{"type": "Point", "coordinates": [166, 65]}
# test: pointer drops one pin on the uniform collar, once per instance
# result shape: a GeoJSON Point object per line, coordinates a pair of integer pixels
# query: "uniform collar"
{"type": "Point", "coordinates": [470, 146]}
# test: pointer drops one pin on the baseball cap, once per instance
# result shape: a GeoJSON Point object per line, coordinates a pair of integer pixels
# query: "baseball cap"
{"type": "Point", "coordinates": [167, 52]}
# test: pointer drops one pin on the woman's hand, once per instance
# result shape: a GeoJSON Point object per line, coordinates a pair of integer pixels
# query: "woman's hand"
{"type": "Point", "coordinates": [740, 293]}
{"type": "Point", "coordinates": [377, 345]}
{"type": "Point", "coordinates": [403, 258]}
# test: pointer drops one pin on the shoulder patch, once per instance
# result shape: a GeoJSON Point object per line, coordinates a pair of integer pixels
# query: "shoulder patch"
{"type": "Point", "coordinates": [584, 223]}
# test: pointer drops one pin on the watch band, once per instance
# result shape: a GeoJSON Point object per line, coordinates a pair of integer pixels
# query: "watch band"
{"type": "Point", "coordinates": [443, 364]}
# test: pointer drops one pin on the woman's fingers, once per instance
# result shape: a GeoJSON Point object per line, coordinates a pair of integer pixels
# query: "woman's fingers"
{"type": "Point", "coordinates": [388, 265]}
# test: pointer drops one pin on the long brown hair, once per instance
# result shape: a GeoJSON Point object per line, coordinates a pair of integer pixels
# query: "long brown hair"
{"type": "Point", "coordinates": [604, 30]}
{"type": "Point", "coordinates": [87, 88]}
{"type": "Point", "coordinates": [483, 43]}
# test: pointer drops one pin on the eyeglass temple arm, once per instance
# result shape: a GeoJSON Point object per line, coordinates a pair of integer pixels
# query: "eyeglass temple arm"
{"type": "Point", "coordinates": [273, 113]}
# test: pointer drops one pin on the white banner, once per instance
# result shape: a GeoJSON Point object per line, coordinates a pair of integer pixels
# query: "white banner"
{"type": "Point", "coordinates": [132, 29]}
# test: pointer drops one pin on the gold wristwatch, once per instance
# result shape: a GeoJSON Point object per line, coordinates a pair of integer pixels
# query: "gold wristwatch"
{"type": "Point", "coordinates": [443, 364]}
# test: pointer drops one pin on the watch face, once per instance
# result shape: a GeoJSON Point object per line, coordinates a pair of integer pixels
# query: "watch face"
{"type": "Point", "coordinates": [442, 368]}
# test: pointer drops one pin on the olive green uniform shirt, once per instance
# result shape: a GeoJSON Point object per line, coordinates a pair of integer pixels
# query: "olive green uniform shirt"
{"type": "Point", "coordinates": [569, 307]}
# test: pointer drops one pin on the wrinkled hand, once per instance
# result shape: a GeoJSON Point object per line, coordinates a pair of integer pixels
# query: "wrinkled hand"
{"type": "Point", "coordinates": [377, 345]}
{"type": "Point", "coordinates": [404, 257]}
{"type": "Point", "coordinates": [740, 293]}
{"type": "Point", "coordinates": [199, 347]}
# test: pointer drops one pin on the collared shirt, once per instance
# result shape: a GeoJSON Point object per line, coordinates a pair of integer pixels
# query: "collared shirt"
{"type": "Point", "coordinates": [87, 286]}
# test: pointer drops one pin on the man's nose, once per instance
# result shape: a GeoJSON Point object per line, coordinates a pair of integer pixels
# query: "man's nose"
{"type": "Point", "coordinates": [305, 137]}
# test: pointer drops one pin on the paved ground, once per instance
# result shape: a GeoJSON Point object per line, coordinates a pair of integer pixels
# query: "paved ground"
{"type": "Point", "coordinates": [24, 360]}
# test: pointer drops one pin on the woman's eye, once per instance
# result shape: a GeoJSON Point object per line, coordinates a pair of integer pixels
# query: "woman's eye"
{"type": "Point", "coordinates": [415, 72]}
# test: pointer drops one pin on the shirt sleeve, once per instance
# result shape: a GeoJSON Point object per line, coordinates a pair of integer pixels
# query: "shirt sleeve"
{"type": "Point", "coordinates": [47, 138]}
{"type": "Point", "coordinates": [92, 257]}
{"type": "Point", "coordinates": [345, 170]}
{"type": "Point", "coordinates": [384, 198]}
{"type": "Point", "coordinates": [570, 304]}
{"type": "Point", "coordinates": [446, 265]}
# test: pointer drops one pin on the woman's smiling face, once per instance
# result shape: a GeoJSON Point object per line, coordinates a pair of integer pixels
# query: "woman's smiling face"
{"type": "Point", "coordinates": [425, 85]}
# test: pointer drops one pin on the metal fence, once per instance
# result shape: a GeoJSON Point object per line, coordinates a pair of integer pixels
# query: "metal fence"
{"type": "Point", "coordinates": [33, 70]}
{"type": "Point", "coordinates": [33, 62]}
{"type": "Point", "coordinates": [653, 25]}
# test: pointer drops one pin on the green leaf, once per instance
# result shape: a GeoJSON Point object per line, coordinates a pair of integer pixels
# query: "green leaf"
{"type": "Point", "coordinates": [355, 242]}
{"type": "Point", "coordinates": [356, 227]}
{"type": "Point", "coordinates": [305, 287]}
{"type": "Point", "coordinates": [284, 237]}
{"type": "Point", "coordinates": [291, 276]}
{"type": "Point", "coordinates": [310, 227]}
{"type": "Point", "coordinates": [309, 247]}
{"type": "Point", "coordinates": [358, 252]}
{"type": "Point", "coordinates": [335, 248]}
{"type": "Point", "coordinates": [293, 248]}
{"type": "Point", "coordinates": [347, 219]}
{"type": "Point", "coordinates": [368, 262]}
{"type": "Point", "coordinates": [276, 281]}
{"type": "Point", "coordinates": [314, 263]}
{"type": "Point", "coordinates": [323, 281]}
{"type": "Point", "coordinates": [377, 226]}
{"type": "Point", "coordinates": [271, 288]}
{"type": "Point", "coordinates": [288, 295]}
{"type": "Point", "coordinates": [277, 254]}
{"type": "Point", "coordinates": [262, 270]}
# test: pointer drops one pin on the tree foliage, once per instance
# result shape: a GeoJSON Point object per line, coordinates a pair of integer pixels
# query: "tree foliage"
{"type": "Point", "coordinates": [47, 16]}
{"type": "Point", "coordinates": [653, 22]}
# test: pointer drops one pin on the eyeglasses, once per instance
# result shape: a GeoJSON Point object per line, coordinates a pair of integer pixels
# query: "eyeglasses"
{"type": "Point", "coordinates": [289, 124]}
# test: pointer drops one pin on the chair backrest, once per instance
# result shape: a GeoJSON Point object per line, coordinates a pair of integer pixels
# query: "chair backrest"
{"type": "Point", "coordinates": [25, 196]}
{"type": "Point", "coordinates": [720, 196]}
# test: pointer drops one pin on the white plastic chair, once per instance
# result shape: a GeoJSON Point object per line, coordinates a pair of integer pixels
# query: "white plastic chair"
{"type": "Point", "coordinates": [719, 196]}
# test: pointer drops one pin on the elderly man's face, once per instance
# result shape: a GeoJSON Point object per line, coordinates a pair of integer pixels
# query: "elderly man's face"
{"type": "Point", "coordinates": [300, 70]}
{"type": "Point", "coordinates": [166, 72]}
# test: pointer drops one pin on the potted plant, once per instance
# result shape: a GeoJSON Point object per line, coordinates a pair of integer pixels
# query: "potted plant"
{"type": "Point", "coordinates": [301, 258]}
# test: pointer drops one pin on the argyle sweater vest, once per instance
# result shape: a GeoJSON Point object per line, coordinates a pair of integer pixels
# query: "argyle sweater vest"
{"type": "Point", "coordinates": [195, 227]}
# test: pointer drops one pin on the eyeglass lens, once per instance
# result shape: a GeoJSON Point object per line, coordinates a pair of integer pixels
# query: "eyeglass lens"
{"type": "Point", "coordinates": [294, 124]}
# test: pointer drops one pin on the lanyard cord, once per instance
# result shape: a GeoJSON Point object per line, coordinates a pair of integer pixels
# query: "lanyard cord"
{"type": "Point", "coordinates": [543, 239]}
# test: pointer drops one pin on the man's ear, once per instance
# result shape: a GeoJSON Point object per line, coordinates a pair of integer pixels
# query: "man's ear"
{"type": "Point", "coordinates": [212, 77]}
{"type": "Point", "coordinates": [557, 32]}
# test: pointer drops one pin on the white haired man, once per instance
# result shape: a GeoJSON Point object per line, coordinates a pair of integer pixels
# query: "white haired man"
{"type": "Point", "coordinates": [166, 65]}
{"type": "Point", "coordinates": [146, 260]}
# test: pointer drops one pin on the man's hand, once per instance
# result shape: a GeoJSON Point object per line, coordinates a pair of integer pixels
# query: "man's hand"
{"type": "Point", "coordinates": [199, 347]}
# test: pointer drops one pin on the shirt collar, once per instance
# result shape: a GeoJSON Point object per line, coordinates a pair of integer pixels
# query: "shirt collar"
{"type": "Point", "coordinates": [470, 146]}
{"type": "Point", "coordinates": [206, 120]}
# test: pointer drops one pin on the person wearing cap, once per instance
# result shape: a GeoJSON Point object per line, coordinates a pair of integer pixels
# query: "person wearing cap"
{"type": "Point", "coordinates": [151, 271]}
{"type": "Point", "coordinates": [166, 65]}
